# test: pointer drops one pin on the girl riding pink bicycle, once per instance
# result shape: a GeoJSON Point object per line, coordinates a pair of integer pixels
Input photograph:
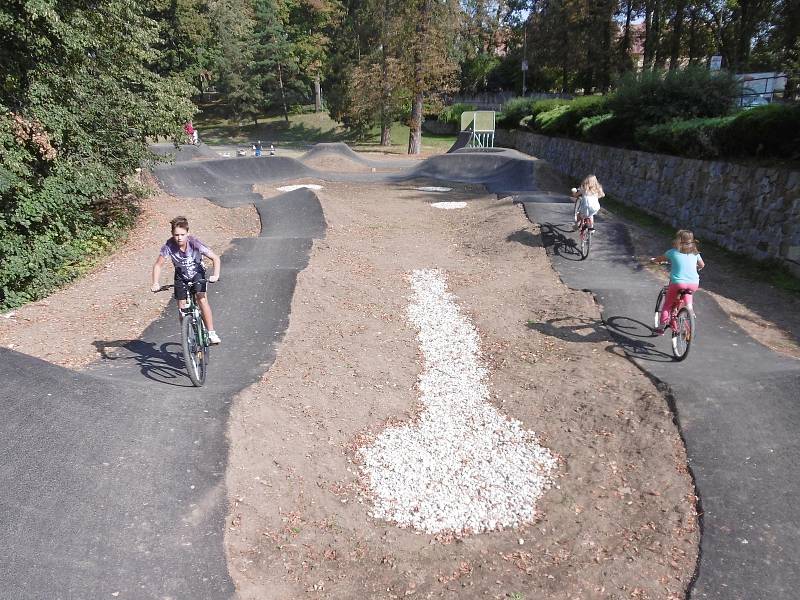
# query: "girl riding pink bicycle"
{"type": "Point", "coordinates": [685, 262]}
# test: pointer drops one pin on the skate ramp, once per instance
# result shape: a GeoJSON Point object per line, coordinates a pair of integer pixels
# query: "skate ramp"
{"type": "Point", "coordinates": [504, 172]}
{"type": "Point", "coordinates": [461, 141]}
{"type": "Point", "coordinates": [326, 150]}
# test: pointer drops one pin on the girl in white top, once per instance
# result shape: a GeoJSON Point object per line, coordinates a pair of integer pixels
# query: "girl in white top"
{"type": "Point", "coordinates": [587, 200]}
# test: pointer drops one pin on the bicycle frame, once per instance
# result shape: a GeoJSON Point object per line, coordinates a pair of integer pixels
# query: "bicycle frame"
{"type": "Point", "coordinates": [192, 309]}
{"type": "Point", "coordinates": [677, 305]}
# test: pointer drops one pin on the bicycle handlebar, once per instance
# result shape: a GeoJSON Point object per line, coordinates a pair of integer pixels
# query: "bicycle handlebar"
{"type": "Point", "coordinates": [188, 284]}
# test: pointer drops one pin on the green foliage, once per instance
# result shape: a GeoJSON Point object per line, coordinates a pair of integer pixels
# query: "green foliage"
{"type": "Point", "coordinates": [764, 131]}
{"type": "Point", "coordinates": [564, 118]}
{"type": "Point", "coordinates": [603, 129]}
{"type": "Point", "coordinates": [78, 104]}
{"type": "Point", "coordinates": [452, 114]}
{"type": "Point", "coordinates": [516, 109]}
{"type": "Point", "coordinates": [653, 97]}
{"type": "Point", "coordinates": [697, 138]}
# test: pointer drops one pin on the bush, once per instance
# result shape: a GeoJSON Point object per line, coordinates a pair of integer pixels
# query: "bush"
{"type": "Point", "coordinates": [605, 129]}
{"type": "Point", "coordinates": [452, 114]}
{"type": "Point", "coordinates": [517, 108]}
{"type": "Point", "coordinates": [695, 138]}
{"type": "Point", "coordinates": [564, 119]}
{"type": "Point", "coordinates": [765, 131]}
{"type": "Point", "coordinates": [653, 97]}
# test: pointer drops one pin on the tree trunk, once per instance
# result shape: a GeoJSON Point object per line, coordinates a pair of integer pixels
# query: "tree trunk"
{"type": "Point", "coordinates": [415, 132]}
{"type": "Point", "coordinates": [317, 94]}
{"type": "Point", "coordinates": [647, 52]}
{"type": "Point", "coordinates": [693, 36]}
{"type": "Point", "coordinates": [283, 93]}
{"type": "Point", "coordinates": [660, 58]}
{"type": "Point", "coordinates": [677, 34]}
{"type": "Point", "coordinates": [386, 125]}
{"type": "Point", "coordinates": [625, 45]}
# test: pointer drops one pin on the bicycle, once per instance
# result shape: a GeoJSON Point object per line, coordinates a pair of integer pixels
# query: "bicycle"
{"type": "Point", "coordinates": [194, 336]}
{"type": "Point", "coordinates": [585, 233]}
{"type": "Point", "coordinates": [682, 322]}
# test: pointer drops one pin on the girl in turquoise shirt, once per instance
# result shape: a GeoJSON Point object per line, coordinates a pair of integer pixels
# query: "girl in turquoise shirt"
{"type": "Point", "coordinates": [685, 262]}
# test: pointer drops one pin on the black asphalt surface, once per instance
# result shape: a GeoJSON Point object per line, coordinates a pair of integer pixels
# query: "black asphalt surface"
{"type": "Point", "coordinates": [736, 403]}
{"type": "Point", "coordinates": [113, 478]}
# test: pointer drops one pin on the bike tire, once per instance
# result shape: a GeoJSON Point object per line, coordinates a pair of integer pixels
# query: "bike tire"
{"type": "Point", "coordinates": [586, 242]}
{"type": "Point", "coordinates": [195, 355]}
{"type": "Point", "coordinates": [659, 307]}
{"type": "Point", "coordinates": [684, 336]}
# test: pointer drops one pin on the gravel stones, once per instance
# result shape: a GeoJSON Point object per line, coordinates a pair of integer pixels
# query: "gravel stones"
{"type": "Point", "coordinates": [291, 188]}
{"type": "Point", "coordinates": [462, 466]}
{"type": "Point", "coordinates": [449, 205]}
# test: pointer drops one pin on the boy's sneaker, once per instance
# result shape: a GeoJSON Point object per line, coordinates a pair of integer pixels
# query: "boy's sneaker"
{"type": "Point", "coordinates": [214, 338]}
{"type": "Point", "coordinates": [658, 331]}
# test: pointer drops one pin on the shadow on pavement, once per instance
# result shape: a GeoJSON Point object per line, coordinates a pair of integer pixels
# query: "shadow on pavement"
{"type": "Point", "coordinates": [554, 240]}
{"type": "Point", "coordinates": [628, 335]}
{"type": "Point", "coordinates": [162, 363]}
{"type": "Point", "coordinates": [636, 338]}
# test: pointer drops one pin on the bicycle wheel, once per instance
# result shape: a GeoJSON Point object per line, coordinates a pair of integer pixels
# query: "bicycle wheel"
{"type": "Point", "coordinates": [659, 308]}
{"type": "Point", "coordinates": [195, 356]}
{"type": "Point", "coordinates": [586, 241]}
{"type": "Point", "coordinates": [683, 337]}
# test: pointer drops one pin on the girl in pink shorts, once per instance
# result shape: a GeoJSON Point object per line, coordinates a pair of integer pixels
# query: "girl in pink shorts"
{"type": "Point", "coordinates": [685, 262]}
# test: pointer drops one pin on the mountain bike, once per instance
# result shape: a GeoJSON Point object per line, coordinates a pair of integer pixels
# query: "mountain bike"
{"type": "Point", "coordinates": [194, 336]}
{"type": "Point", "coordinates": [682, 322]}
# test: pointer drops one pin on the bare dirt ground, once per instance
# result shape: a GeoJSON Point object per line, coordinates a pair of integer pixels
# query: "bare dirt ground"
{"type": "Point", "coordinates": [768, 314]}
{"type": "Point", "coordinates": [114, 299]}
{"type": "Point", "coordinates": [620, 521]}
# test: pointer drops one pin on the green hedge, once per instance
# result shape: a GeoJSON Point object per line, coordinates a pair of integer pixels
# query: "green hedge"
{"type": "Point", "coordinates": [606, 128]}
{"type": "Point", "coordinates": [768, 131]}
{"type": "Point", "coordinates": [696, 138]}
{"type": "Point", "coordinates": [771, 131]}
{"type": "Point", "coordinates": [518, 108]}
{"type": "Point", "coordinates": [654, 97]}
{"type": "Point", "coordinates": [564, 119]}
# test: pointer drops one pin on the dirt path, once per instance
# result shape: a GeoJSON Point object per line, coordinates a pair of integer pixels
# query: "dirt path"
{"type": "Point", "coordinates": [619, 522]}
{"type": "Point", "coordinates": [113, 301]}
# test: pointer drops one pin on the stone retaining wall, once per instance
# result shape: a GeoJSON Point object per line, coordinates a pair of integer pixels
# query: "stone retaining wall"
{"type": "Point", "coordinates": [751, 210]}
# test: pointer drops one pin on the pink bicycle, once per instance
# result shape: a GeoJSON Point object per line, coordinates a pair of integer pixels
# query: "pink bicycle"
{"type": "Point", "coordinates": [682, 322]}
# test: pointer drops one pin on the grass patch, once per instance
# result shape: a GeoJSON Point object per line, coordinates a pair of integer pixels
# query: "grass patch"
{"type": "Point", "coordinates": [305, 129]}
{"type": "Point", "coordinates": [770, 271]}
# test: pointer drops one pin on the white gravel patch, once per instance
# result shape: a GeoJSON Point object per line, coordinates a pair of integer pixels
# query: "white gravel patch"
{"type": "Point", "coordinates": [291, 188]}
{"type": "Point", "coordinates": [449, 205]}
{"type": "Point", "coordinates": [462, 466]}
{"type": "Point", "coordinates": [433, 188]}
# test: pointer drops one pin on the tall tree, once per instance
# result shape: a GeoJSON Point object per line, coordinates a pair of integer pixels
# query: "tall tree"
{"type": "Point", "coordinates": [433, 70]}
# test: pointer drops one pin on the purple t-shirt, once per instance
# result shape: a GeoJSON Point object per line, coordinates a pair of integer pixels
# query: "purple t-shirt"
{"type": "Point", "coordinates": [186, 263]}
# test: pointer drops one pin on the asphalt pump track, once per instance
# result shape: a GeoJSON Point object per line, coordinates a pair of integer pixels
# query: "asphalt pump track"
{"type": "Point", "coordinates": [113, 477]}
{"type": "Point", "coordinates": [735, 402]}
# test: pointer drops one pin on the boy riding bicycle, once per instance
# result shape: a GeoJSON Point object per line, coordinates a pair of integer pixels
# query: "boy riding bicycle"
{"type": "Point", "coordinates": [187, 252]}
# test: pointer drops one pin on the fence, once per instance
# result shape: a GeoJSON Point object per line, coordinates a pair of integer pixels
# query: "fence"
{"type": "Point", "coordinates": [495, 100]}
